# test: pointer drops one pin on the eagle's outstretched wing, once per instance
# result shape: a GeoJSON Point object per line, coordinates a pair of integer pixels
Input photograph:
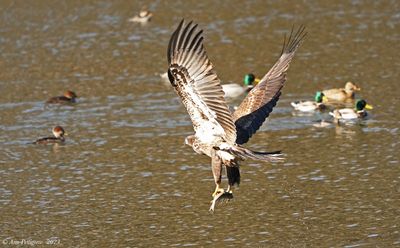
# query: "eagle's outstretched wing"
{"type": "Point", "coordinates": [192, 75]}
{"type": "Point", "coordinates": [260, 101]}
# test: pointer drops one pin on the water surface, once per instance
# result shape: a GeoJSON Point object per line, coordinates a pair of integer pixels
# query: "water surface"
{"type": "Point", "coordinates": [124, 177]}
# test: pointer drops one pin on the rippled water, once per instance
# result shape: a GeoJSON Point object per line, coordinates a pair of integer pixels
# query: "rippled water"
{"type": "Point", "coordinates": [124, 177]}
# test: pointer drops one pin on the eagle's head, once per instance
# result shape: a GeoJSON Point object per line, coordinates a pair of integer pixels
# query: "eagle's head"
{"type": "Point", "coordinates": [189, 140]}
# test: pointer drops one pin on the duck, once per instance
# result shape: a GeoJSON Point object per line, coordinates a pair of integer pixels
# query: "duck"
{"type": "Point", "coordinates": [164, 77]}
{"type": "Point", "coordinates": [231, 90]}
{"type": "Point", "coordinates": [234, 90]}
{"type": "Point", "coordinates": [358, 112]}
{"type": "Point", "coordinates": [342, 94]}
{"type": "Point", "coordinates": [144, 16]}
{"type": "Point", "coordinates": [310, 106]}
{"type": "Point", "coordinates": [68, 97]}
{"type": "Point", "coordinates": [58, 133]}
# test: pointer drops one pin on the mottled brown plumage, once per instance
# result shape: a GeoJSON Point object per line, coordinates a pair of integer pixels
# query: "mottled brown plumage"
{"type": "Point", "coordinates": [68, 97]}
{"type": "Point", "coordinates": [218, 133]}
{"type": "Point", "coordinates": [260, 101]}
{"type": "Point", "coordinates": [58, 133]}
{"type": "Point", "coordinates": [342, 94]}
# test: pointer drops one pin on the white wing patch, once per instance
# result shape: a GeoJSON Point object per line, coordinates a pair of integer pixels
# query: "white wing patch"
{"type": "Point", "coordinates": [192, 75]}
{"type": "Point", "coordinates": [204, 120]}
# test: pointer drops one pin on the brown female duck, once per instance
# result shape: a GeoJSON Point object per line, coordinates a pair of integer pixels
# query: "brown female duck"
{"type": "Point", "coordinates": [342, 94]}
{"type": "Point", "coordinates": [58, 133]}
{"type": "Point", "coordinates": [68, 97]}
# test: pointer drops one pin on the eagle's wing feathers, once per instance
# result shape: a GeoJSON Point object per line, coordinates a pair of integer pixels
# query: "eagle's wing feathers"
{"type": "Point", "coordinates": [192, 75]}
{"type": "Point", "coordinates": [260, 101]}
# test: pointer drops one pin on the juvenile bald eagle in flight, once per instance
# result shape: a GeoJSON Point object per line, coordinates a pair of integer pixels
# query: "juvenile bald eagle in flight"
{"type": "Point", "coordinates": [219, 133]}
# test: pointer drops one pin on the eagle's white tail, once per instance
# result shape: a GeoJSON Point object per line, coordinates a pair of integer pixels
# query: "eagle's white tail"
{"type": "Point", "coordinates": [245, 153]}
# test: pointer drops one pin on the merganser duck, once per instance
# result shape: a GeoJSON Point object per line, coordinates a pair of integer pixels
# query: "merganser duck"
{"type": "Point", "coordinates": [68, 97]}
{"type": "Point", "coordinates": [58, 133]}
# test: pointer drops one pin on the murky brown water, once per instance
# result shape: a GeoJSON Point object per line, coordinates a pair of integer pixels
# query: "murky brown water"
{"type": "Point", "coordinates": [124, 177]}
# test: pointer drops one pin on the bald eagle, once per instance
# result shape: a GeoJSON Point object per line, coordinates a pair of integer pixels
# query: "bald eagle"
{"type": "Point", "coordinates": [219, 133]}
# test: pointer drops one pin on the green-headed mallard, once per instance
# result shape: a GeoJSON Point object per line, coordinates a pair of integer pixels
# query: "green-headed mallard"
{"type": "Point", "coordinates": [234, 90]}
{"type": "Point", "coordinates": [342, 94]}
{"type": "Point", "coordinates": [352, 114]}
{"type": "Point", "coordinates": [309, 106]}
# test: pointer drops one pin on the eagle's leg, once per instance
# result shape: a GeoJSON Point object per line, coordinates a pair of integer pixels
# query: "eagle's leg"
{"type": "Point", "coordinates": [218, 190]}
{"type": "Point", "coordinates": [216, 166]}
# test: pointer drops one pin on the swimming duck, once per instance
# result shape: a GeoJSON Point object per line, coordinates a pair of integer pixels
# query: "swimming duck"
{"type": "Point", "coordinates": [352, 114]}
{"type": "Point", "coordinates": [342, 94]}
{"type": "Point", "coordinates": [231, 90]}
{"type": "Point", "coordinates": [234, 90]}
{"type": "Point", "coordinates": [68, 97]}
{"type": "Point", "coordinates": [309, 106]}
{"type": "Point", "coordinates": [143, 17]}
{"type": "Point", "coordinates": [58, 133]}
{"type": "Point", "coordinates": [164, 77]}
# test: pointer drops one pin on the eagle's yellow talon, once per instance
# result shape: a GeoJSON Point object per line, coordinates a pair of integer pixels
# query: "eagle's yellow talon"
{"type": "Point", "coordinates": [217, 191]}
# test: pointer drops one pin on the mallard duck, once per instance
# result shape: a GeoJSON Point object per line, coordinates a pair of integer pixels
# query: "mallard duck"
{"type": "Point", "coordinates": [234, 90]}
{"type": "Point", "coordinates": [231, 90]}
{"type": "Point", "coordinates": [68, 97]}
{"type": "Point", "coordinates": [309, 106]}
{"type": "Point", "coordinates": [351, 114]}
{"type": "Point", "coordinates": [342, 94]}
{"type": "Point", "coordinates": [218, 133]}
{"type": "Point", "coordinates": [143, 17]}
{"type": "Point", "coordinates": [58, 133]}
